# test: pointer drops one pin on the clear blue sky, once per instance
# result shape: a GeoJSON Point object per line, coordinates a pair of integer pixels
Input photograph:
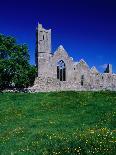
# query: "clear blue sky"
{"type": "Point", "coordinates": [86, 28]}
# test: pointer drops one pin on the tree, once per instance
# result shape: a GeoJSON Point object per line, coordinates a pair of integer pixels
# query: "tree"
{"type": "Point", "coordinates": [15, 69]}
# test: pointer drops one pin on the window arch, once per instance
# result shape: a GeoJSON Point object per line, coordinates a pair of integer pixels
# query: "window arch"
{"type": "Point", "coordinates": [61, 70]}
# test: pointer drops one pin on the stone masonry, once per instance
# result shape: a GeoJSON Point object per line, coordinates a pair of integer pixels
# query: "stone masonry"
{"type": "Point", "coordinates": [58, 72]}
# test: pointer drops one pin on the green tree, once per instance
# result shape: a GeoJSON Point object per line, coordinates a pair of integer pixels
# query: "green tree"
{"type": "Point", "coordinates": [15, 69]}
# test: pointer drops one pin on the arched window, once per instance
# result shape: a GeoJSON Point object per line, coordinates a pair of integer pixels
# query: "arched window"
{"type": "Point", "coordinates": [61, 70]}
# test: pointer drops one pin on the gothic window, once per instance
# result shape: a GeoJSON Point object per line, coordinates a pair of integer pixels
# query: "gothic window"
{"type": "Point", "coordinates": [82, 80]}
{"type": "Point", "coordinates": [61, 70]}
{"type": "Point", "coordinates": [43, 37]}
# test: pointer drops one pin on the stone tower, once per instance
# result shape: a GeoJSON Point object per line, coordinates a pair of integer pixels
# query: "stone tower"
{"type": "Point", "coordinates": [43, 50]}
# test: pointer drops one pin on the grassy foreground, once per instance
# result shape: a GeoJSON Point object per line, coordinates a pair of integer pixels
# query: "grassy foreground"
{"type": "Point", "coordinates": [64, 123]}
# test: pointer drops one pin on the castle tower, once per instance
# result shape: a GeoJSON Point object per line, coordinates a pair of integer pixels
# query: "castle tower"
{"type": "Point", "coordinates": [43, 50]}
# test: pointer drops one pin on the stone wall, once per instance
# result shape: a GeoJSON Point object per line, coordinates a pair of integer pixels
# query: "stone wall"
{"type": "Point", "coordinates": [96, 83]}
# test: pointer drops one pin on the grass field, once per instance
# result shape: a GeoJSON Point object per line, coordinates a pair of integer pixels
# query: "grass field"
{"type": "Point", "coordinates": [64, 123]}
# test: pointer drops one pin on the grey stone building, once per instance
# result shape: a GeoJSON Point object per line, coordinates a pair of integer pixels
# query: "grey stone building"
{"type": "Point", "coordinates": [57, 71]}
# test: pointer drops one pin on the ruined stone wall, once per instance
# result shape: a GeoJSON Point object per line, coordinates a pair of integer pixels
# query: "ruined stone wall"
{"type": "Point", "coordinates": [96, 83]}
{"type": "Point", "coordinates": [92, 79]}
{"type": "Point", "coordinates": [78, 74]}
{"type": "Point", "coordinates": [61, 54]}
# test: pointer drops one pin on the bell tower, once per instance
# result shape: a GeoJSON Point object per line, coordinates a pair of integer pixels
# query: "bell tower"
{"type": "Point", "coordinates": [43, 50]}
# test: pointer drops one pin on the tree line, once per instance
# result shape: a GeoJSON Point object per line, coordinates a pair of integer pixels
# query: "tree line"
{"type": "Point", "coordinates": [15, 69]}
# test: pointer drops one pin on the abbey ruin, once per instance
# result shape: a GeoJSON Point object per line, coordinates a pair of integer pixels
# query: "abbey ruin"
{"type": "Point", "coordinates": [58, 72]}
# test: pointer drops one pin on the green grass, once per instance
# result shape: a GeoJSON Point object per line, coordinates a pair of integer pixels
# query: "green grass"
{"type": "Point", "coordinates": [64, 123]}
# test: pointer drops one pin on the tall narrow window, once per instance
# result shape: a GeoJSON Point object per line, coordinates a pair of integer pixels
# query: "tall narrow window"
{"type": "Point", "coordinates": [61, 70]}
{"type": "Point", "coordinates": [58, 74]}
{"type": "Point", "coordinates": [82, 80]}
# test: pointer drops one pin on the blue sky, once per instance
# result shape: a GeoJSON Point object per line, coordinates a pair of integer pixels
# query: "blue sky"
{"type": "Point", "coordinates": [86, 28]}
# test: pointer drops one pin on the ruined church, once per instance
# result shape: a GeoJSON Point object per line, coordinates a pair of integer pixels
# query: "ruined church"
{"type": "Point", "coordinates": [58, 72]}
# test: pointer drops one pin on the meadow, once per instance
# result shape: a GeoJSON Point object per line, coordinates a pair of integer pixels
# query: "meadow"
{"type": "Point", "coordinates": [62, 123]}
